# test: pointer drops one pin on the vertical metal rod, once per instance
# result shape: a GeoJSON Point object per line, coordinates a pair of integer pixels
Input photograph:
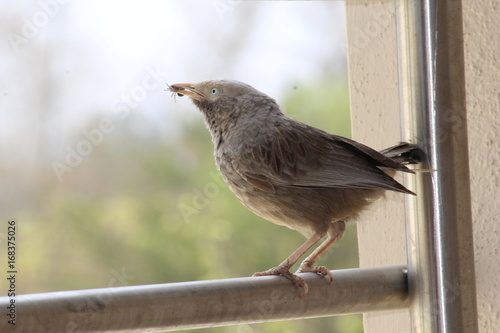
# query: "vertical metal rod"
{"type": "Point", "coordinates": [440, 245]}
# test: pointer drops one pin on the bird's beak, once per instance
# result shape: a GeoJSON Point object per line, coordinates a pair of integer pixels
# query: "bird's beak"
{"type": "Point", "coordinates": [186, 89]}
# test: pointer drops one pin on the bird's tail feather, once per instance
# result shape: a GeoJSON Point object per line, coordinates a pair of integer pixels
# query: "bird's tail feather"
{"type": "Point", "coordinates": [404, 153]}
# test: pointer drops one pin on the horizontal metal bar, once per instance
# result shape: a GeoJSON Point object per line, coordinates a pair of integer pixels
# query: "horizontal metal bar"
{"type": "Point", "coordinates": [183, 305]}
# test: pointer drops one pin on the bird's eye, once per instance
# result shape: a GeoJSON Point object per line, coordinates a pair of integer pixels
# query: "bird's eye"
{"type": "Point", "coordinates": [214, 91]}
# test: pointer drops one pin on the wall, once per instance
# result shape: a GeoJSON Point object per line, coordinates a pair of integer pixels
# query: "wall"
{"type": "Point", "coordinates": [372, 56]}
{"type": "Point", "coordinates": [482, 79]}
{"type": "Point", "coordinates": [374, 97]}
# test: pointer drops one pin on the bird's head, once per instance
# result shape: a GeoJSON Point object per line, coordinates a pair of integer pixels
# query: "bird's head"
{"type": "Point", "coordinates": [213, 91]}
{"type": "Point", "coordinates": [225, 102]}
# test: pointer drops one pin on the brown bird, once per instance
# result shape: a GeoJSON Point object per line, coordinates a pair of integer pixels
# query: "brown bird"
{"type": "Point", "coordinates": [290, 173]}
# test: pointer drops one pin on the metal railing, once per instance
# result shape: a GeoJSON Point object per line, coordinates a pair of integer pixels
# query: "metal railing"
{"type": "Point", "coordinates": [440, 239]}
{"type": "Point", "coordinates": [175, 306]}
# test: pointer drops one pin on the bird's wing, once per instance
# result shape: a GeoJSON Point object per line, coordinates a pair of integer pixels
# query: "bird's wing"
{"type": "Point", "coordinates": [298, 155]}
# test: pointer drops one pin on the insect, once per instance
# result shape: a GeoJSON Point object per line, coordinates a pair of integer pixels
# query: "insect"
{"type": "Point", "coordinates": [174, 90]}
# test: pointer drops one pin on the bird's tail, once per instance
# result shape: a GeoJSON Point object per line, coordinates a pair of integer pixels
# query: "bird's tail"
{"type": "Point", "coordinates": [404, 153]}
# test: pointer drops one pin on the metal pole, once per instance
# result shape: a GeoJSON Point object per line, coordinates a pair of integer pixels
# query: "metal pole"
{"type": "Point", "coordinates": [440, 248]}
{"type": "Point", "coordinates": [175, 306]}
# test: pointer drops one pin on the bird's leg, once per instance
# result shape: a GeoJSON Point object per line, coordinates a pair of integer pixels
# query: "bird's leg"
{"type": "Point", "coordinates": [283, 269]}
{"type": "Point", "coordinates": [307, 264]}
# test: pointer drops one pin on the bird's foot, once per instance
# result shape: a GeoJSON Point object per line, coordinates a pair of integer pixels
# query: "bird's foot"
{"type": "Point", "coordinates": [321, 270]}
{"type": "Point", "coordinates": [285, 271]}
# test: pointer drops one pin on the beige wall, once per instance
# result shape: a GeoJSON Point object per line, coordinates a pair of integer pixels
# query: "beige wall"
{"type": "Point", "coordinates": [374, 94]}
{"type": "Point", "coordinates": [373, 76]}
{"type": "Point", "coordinates": [482, 79]}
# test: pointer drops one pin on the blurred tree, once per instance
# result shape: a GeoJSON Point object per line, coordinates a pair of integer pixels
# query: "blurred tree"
{"type": "Point", "coordinates": [143, 208]}
{"type": "Point", "coordinates": [160, 212]}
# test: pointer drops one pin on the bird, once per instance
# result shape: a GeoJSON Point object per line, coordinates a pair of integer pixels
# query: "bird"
{"type": "Point", "coordinates": [290, 173]}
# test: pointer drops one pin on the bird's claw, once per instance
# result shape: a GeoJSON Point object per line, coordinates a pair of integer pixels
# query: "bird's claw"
{"type": "Point", "coordinates": [322, 270]}
{"type": "Point", "coordinates": [285, 271]}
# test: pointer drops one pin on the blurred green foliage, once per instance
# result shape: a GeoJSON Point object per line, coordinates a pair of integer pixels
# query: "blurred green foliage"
{"type": "Point", "coordinates": [150, 211]}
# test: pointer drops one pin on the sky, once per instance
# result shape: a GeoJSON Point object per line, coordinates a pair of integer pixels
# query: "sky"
{"type": "Point", "coordinates": [114, 42]}
{"type": "Point", "coordinates": [66, 63]}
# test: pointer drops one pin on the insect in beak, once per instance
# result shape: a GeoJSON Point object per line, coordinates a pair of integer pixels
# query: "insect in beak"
{"type": "Point", "coordinates": [174, 91]}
